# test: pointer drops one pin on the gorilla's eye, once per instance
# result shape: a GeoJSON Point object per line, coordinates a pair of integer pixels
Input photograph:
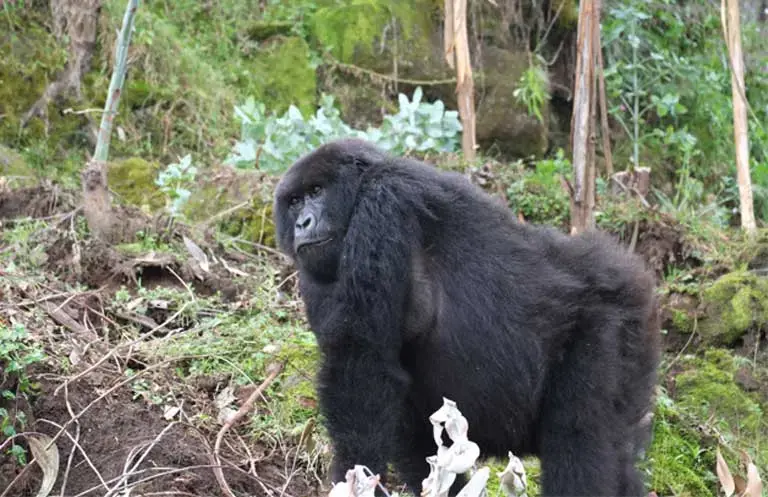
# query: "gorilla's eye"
{"type": "Point", "coordinates": [294, 200]}
{"type": "Point", "coordinates": [315, 190]}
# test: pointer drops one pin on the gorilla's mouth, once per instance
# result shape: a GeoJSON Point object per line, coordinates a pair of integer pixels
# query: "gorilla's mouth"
{"type": "Point", "coordinates": [317, 242]}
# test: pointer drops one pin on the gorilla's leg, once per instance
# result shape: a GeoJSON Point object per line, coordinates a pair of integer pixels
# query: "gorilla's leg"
{"type": "Point", "coordinates": [414, 445]}
{"type": "Point", "coordinates": [578, 419]}
{"type": "Point", "coordinates": [631, 483]}
{"type": "Point", "coordinates": [630, 479]}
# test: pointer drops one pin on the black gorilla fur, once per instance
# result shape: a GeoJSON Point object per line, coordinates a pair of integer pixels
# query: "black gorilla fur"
{"type": "Point", "coordinates": [420, 286]}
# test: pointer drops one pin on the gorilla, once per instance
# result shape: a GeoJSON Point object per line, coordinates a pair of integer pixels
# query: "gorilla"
{"type": "Point", "coordinates": [418, 285]}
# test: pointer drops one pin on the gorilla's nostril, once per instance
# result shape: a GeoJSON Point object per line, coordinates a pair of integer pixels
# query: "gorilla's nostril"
{"type": "Point", "coordinates": [305, 222]}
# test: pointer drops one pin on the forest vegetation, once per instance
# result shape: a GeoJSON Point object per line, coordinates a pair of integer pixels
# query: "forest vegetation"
{"type": "Point", "coordinates": [137, 352]}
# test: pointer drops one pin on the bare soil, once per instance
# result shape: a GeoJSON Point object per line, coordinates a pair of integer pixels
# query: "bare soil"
{"type": "Point", "coordinates": [112, 433]}
{"type": "Point", "coordinates": [117, 431]}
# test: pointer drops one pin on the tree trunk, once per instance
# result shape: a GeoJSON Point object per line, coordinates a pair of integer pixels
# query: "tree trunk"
{"type": "Point", "coordinates": [732, 28]}
{"type": "Point", "coordinates": [79, 21]}
{"type": "Point", "coordinates": [97, 207]}
{"type": "Point", "coordinates": [457, 55]}
{"type": "Point", "coordinates": [582, 124]}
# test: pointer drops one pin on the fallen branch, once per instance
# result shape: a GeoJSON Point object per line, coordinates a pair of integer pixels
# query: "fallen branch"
{"type": "Point", "coordinates": [274, 370]}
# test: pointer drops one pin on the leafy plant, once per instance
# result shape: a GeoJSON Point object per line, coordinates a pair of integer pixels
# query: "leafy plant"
{"type": "Point", "coordinates": [272, 143]}
{"type": "Point", "coordinates": [532, 89]}
{"type": "Point", "coordinates": [667, 74]}
{"type": "Point", "coordinates": [539, 195]}
{"type": "Point", "coordinates": [173, 181]}
{"type": "Point", "coordinates": [17, 353]}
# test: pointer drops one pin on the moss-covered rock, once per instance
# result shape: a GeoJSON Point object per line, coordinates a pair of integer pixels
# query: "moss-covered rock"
{"type": "Point", "coordinates": [708, 388]}
{"type": "Point", "coordinates": [31, 59]}
{"type": "Point", "coordinates": [503, 124]}
{"type": "Point", "coordinates": [247, 196]}
{"type": "Point", "coordinates": [133, 180]}
{"type": "Point", "coordinates": [734, 303]}
{"type": "Point", "coordinates": [285, 75]}
{"type": "Point", "coordinates": [708, 408]}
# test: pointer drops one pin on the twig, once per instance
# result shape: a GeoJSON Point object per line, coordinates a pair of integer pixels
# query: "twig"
{"type": "Point", "coordinates": [274, 370]}
{"type": "Point", "coordinates": [690, 339]}
{"type": "Point", "coordinates": [184, 283]}
{"type": "Point", "coordinates": [140, 460]}
{"type": "Point", "coordinates": [635, 233]}
{"type": "Point", "coordinates": [223, 214]}
{"type": "Point", "coordinates": [383, 78]}
{"type": "Point", "coordinates": [75, 446]}
{"type": "Point", "coordinates": [120, 347]}
{"type": "Point", "coordinates": [632, 189]}
{"type": "Point", "coordinates": [259, 246]}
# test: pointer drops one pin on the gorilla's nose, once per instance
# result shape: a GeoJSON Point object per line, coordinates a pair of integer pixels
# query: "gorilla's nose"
{"type": "Point", "coordinates": [305, 222]}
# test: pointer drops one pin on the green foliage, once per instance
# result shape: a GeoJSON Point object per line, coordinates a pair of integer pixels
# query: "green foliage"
{"type": "Point", "coordinates": [272, 143]}
{"type": "Point", "coordinates": [670, 90]}
{"type": "Point", "coordinates": [539, 195]}
{"type": "Point", "coordinates": [17, 353]}
{"type": "Point", "coordinates": [350, 28]}
{"type": "Point", "coordinates": [286, 75]}
{"type": "Point", "coordinates": [532, 90]}
{"type": "Point", "coordinates": [22, 251]}
{"type": "Point", "coordinates": [174, 180]}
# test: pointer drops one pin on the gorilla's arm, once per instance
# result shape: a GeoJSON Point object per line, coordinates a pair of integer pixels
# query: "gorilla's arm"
{"type": "Point", "coordinates": [362, 384]}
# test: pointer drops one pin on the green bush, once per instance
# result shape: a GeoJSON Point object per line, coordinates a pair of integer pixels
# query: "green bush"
{"type": "Point", "coordinates": [272, 143]}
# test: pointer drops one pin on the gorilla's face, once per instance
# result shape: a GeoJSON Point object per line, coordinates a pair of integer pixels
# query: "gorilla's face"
{"type": "Point", "coordinates": [313, 206]}
{"type": "Point", "coordinates": [314, 229]}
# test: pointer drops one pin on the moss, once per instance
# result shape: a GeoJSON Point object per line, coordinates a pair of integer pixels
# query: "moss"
{"type": "Point", "coordinates": [351, 29]}
{"type": "Point", "coordinates": [31, 59]}
{"type": "Point", "coordinates": [285, 75]}
{"type": "Point", "coordinates": [710, 408]}
{"type": "Point", "coordinates": [676, 463]}
{"type": "Point", "coordinates": [252, 222]}
{"type": "Point", "coordinates": [569, 14]}
{"type": "Point", "coordinates": [735, 303]}
{"type": "Point", "coordinates": [133, 180]}
{"type": "Point", "coordinates": [709, 389]}
{"type": "Point", "coordinates": [262, 30]}
{"type": "Point", "coordinates": [12, 163]}
{"type": "Point", "coordinates": [681, 321]}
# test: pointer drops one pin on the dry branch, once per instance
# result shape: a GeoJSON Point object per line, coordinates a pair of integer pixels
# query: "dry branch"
{"type": "Point", "coordinates": [274, 370]}
{"type": "Point", "coordinates": [582, 123]}
{"type": "Point", "coordinates": [732, 30]}
{"type": "Point", "coordinates": [457, 55]}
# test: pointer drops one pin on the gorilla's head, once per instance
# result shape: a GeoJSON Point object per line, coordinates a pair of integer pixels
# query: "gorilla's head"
{"type": "Point", "coordinates": [314, 202]}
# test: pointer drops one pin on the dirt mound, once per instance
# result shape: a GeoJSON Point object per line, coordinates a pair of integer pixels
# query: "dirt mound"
{"type": "Point", "coordinates": [37, 201]}
{"type": "Point", "coordinates": [118, 437]}
{"type": "Point", "coordinates": [660, 240]}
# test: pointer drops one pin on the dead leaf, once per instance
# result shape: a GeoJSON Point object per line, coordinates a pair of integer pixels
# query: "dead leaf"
{"type": "Point", "coordinates": [724, 475]}
{"type": "Point", "coordinates": [48, 460]}
{"type": "Point", "coordinates": [754, 483]}
{"type": "Point", "coordinates": [741, 484]}
{"type": "Point", "coordinates": [197, 253]}
{"type": "Point", "coordinates": [171, 412]}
